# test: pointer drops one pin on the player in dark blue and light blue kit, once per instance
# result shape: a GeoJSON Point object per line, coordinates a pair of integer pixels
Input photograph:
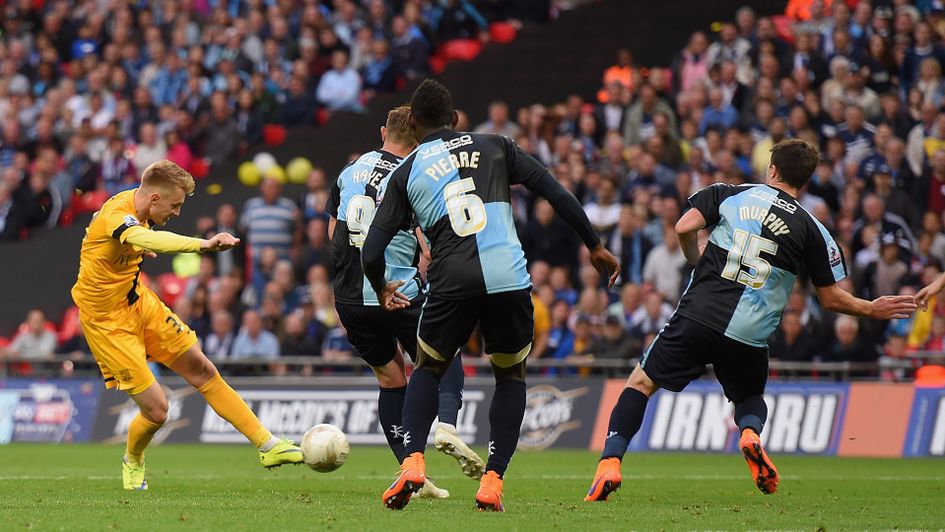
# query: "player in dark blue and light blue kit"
{"type": "Point", "coordinates": [373, 332]}
{"type": "Point", "coordinates": [761, 241]}
{"type": "Point", "coordinates": [457, 187]}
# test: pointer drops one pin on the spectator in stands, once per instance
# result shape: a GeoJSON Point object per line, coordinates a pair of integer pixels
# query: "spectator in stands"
{"type": "Point", "coordinates": [498, 122]}
{"type": "Point", "coordinates": [219, 131]}
{"type": "Point", "coordinates": [922, 48]}
{"type": "Point", "coordinates": [614, 342]}
{"type": "Point", "coordinates": [226, 221]}
{"type": "Point", "coordinates": [896, 200]}
{"type": "Point", "coordinates": [270, 220]}
{"type": "Point", "coordinates": [336, 347]}
{"type": "Point", "coordinates": [691, 66]}
{"type": "Point", "coordinates": [789, 342]}
{"type": "Point", "coordinates": [639, 120]}
{"type": "Point", "coordinates": [664, 266]}
{"type": "Point", "coordinates": [317, 249]}
{"type": "Point", "coordinates": [408, 49]}
{"type": "Point", "coordinates": [219, 342]}
{"type": "Point", "coordinates": [380, 73]}
{"type": "Point", "coordinates": [874, 214]}
{"type": "Point", "coordinates": [718, 114]}
{"type": "Point", "coordinates": [34, 342]}
{"type": "Point", "coordinates": [731, 47]}
{"type": "Point", "coordinates": [340, 87]}
{"type": "Point", "coordinates": [9, 218]}
{"type": "Point", "coordinates": [253, 341]}
{"type": "Point", "coordinates": [847, 345]}
{"type": "Point", "coordinates": [629, 244]}
{"type": "Point", "coordinates": [544, 238]}
{"type": "Point", "coordinates": [457, 19]}
{"type": "Point", "coordinates": [650, 317]}
{"type": "Point", "coordinates": [297, 341]}
{"type": "Point", "coordinates": [604, 210]}
{"type": "Point", "coordinates": [299, 107]}
{"type": "Point", "coordinates": [883, 275]}
{"type": "Point", "coordinates": [150, 148]}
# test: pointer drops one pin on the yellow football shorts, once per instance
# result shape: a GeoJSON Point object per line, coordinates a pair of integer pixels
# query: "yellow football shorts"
{"type": "Point", "coordinates": [123, 342]}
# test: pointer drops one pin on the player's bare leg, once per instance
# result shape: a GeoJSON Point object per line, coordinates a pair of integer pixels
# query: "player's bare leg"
{"type": "Point", "coordinates": [625, 421]}
{"type": "Point", "coordinates": [197, 370]}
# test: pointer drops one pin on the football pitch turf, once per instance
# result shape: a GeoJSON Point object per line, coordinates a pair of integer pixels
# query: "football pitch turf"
{"type": "Point", "coordinates": [211, 487]}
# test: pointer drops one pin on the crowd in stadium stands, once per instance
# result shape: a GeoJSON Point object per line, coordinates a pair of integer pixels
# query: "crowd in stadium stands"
{"type": "Point", "coordinates": [88, 98]}
{"type": "Point", "coordinates": [864, 83]}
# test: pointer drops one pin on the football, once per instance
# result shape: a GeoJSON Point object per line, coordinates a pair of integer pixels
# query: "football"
{"type": "Point", "coordinates": [325, 448]}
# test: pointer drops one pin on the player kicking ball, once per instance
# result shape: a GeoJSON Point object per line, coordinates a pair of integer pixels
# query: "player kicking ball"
{"type": "Point", "coordinates": [761, 241]}
{"type": "Point", "coordinates": [456, 188]}
{"type": "Point", "coordinates": [125, 323]}
{"type": "Point", "coordinates": [373, 331]}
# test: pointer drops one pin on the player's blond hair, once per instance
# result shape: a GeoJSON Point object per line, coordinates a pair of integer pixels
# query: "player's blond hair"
{"type": "Point", "coordinates": [165, 174]}
{"type": "Point", "coordinates": [398, 125]}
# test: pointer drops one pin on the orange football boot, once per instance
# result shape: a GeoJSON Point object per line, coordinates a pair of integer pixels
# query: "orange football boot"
{"type": "Point", "coordinates": [411, 479]}
{"type": "Point", "coordinates": [606, 480]}
{"type": "Point", "coordinates": [766, 475]}
{"type": "Point", "coordinates": [489, 496]}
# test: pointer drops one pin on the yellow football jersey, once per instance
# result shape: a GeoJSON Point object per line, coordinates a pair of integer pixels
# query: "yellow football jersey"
{"type": "Point", "coordinates": [108, 266]}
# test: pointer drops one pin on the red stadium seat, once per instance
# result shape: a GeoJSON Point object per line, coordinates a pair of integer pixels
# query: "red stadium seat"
{"type": "Point", "coordinates": [782, 26]}
{"type": "Point", "coordinates": [90, 201]}
{"type": "Point", "coordinates": [273, 134]}
{"type": "Point", "coordinates": [69, 326]}
{"type": "Point", "coordinates": [171, 287]}
{"type": "Point", "coordinates": [460, 50]}
{"type": "Point", "coordinates": [199, 168]}
{"type": "Point", "coordinates": [502, 32]}
{"type": "Point", "coordinates": [437, 64]}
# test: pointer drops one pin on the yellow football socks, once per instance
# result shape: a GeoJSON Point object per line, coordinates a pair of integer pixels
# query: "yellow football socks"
{"type": "Point", "coordinates": [230, 406]}
{"type": "Point", "coordinates": [140, 432]}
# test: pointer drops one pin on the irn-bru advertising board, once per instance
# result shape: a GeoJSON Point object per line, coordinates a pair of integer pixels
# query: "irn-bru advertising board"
{"type": "Point", "coordinates": [814, 418]}
{"type": "Point", "coordinates": [843, 419]}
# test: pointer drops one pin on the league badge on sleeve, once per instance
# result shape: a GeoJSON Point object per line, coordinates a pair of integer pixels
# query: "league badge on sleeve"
{"type": "Point", "coordinates": [131, 221]}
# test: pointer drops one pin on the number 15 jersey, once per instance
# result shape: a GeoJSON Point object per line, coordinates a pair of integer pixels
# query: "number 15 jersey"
{"type": "Point", "coordinates": [457, 185]}
{"type": "Point", "coordinates": [762, 240]}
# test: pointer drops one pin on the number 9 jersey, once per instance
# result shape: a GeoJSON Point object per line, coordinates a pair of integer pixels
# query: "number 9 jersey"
{"type": "Point", "coordinates": [761, 241]}
{"type": "Point", "coordinates": [352, 201]}
{"type": "Point", "coordinates": [458, 186]}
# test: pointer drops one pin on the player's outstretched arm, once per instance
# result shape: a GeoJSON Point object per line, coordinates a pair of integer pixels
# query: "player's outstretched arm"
{"type": "Point", "coordinates": [834, 298]}
{"type": "Point", "coordinates": [168, 242]}
{"type": "Point", "coordinates": [922, 297]}
{"type": "Point", "coordinates": [687, 231]}
{"type": "Point", "coordinates": [569, 209]}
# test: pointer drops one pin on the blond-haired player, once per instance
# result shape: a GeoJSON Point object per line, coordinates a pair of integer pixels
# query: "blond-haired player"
{"type": "Point", "coordinates": [126, 323]}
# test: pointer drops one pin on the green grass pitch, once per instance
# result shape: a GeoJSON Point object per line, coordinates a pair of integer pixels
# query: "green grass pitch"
{"type": "Point", "coordinates": [204, 487]}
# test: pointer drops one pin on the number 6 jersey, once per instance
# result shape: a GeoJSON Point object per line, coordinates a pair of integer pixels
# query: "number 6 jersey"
{"type": "Point", "coordinates": [352, 201]}
{"type": "Point", "coordinates": [762, 239]}
{"type": "Point", "coordinates": [457, 185]}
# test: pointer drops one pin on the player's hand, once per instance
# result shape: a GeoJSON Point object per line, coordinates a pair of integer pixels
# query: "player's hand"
{"type": "Point", "coordinates": [893, 307]}
{"type": "Point", "coordinates": [391, 298]}
{"type": "Point", "coordinates": [149, 254]}
{"type": "Point", "coordinates": [606, 264]}
{"type": "Point", "coordinates": [219, 242]}
{"type": "Point", "coordinates": [922, 296]}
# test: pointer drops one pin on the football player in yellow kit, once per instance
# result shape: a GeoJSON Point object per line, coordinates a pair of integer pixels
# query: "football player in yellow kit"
{"type": "Point", "coordinates": [126, 323]}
